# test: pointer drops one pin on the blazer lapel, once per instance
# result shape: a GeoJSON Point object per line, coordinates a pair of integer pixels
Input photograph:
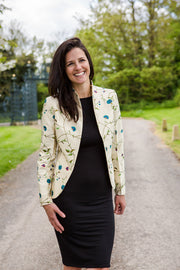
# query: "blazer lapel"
{"type": "Point", "coordinates": [98, 105]}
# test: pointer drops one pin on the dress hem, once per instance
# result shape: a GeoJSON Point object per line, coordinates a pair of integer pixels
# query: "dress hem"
{"type": "Point", "coordinates": [88, 266]}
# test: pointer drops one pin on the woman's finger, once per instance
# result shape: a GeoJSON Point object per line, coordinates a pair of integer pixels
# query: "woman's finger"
{"type": "Point", "coordinates": [58, 226]}
{"type": "Point", "coordinates": [55, 223]}
{"type": "Point", "coordinates": [51, 211]}
{"type": "Point", "coordinates": [116, 208]}
{"type": "Point", "coordinates": [120, 204]}
{"type": "Point", "coordinates": [59, 212]}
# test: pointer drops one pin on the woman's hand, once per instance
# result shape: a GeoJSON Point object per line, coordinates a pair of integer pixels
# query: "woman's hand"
{"type": "Point", "coordinates": [120, 204]}
{"type": "Point", "coordinates": [51, 210]}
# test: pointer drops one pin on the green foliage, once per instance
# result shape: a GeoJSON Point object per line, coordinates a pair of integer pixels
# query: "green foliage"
{"type": "Point", "coordinates": [3, 8]}
{"type": "Point", "coordinates": [42, 93]}
{"type": "Point", "coordinates": [149, 84]}
{"type": "Point", "coordinates": [16, 144]}
{"type": "Point", "coordinates": [127, 84]}
{"type": "Point", "coordinates": [157, 83]}
{"type": "Point", "coordinates": [145, 105]}
{"type": "Point", "coordinates": [14, 48]}
{"type": "Point", "coordinates": [5, 64]}
{"type": "Point", "coordinates": [135, 47]}
{"type": "Point", "coordinates": [19, 70]}
{"type": "Point", "coordinates": [177, 97]}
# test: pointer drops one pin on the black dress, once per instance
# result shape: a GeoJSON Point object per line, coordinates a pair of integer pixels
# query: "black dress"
{"type": "Point", "coordinates": [86, 200]}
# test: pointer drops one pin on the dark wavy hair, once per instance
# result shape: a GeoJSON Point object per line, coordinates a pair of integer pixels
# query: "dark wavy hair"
{"type": "Point", "coordinates": [59, 84]}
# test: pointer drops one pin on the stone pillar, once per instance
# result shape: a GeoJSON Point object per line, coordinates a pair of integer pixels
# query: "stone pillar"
{"type": "Point", "coordinates": [175, 133]}
{"type": "Point", "coordinates": [164, 125]}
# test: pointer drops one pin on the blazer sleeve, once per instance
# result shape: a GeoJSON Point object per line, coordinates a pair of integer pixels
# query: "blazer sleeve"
{"type": "Point", "coordinates": [47, 153]}
{"type": "Point", "coordinates": [118, 150]}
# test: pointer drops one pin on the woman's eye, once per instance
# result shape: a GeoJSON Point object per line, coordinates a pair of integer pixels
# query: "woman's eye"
{"type": "Point", "coordinates": [82, 60]}
{"type": "Point", "coordinates": [69, 64]}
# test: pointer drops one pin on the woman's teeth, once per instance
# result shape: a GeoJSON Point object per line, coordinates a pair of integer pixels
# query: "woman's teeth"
{"type": "Point", "coordinates": [79, 74]}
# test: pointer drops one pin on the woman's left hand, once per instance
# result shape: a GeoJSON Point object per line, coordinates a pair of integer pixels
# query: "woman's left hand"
{"type": "Point", "coordinates": [120, 204]}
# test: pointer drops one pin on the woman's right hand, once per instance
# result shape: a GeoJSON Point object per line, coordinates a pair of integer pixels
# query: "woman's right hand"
{"type": "Point", "coordinates": [51, 210]}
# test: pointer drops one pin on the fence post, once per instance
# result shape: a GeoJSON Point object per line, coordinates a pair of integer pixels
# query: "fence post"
{"type": "Point", "coordinates": [164, 125]}
{"type": "Point", "coordinates": [175, 133]}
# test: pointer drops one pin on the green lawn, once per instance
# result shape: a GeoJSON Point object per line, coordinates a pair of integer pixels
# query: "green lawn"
{"type": "Point", "coordinates": [16, 144]}
{"type": "Point", "coordinates": [172, 116]}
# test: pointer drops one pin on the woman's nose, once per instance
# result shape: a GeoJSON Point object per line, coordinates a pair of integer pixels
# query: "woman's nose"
{"type": "Point", "coordinates": [77, 65]}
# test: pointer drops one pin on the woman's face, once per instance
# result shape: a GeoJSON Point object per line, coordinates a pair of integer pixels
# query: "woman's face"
{"type": "Point", "coordinates": [77, 67]}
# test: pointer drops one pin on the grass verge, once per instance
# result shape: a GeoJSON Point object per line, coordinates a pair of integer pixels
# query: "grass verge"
{"type": "Point", "coordinates": [16, 144]}
{"type": "Point", "coordinates": [172, 115]}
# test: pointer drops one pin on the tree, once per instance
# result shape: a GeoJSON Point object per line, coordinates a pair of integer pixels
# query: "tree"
{"type": "Point", "coordinates": [5, 44]}
{"type": "Point", "coordinates": [131, 38]}
{"type": "Point", "coordinates": [15, 51]}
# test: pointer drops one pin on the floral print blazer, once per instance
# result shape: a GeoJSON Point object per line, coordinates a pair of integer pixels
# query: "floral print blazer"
{"type": "Point", "coordinates": [60, 141]}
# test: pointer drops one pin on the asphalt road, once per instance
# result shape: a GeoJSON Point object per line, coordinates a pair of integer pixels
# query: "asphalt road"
{"type": "Point", "coordinates": [147, 235]}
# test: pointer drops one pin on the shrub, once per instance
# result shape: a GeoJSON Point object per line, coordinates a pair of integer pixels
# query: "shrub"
{"type": "Point", "coordinates": [42, 93]}
{"type": "Point", "coordinates": [177, 97]}
{"type": "Point", "coordinates": [149, 84]}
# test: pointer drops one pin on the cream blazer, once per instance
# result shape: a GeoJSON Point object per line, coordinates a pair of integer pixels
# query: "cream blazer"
{"type": "Point", "coordinates": [60, 141]}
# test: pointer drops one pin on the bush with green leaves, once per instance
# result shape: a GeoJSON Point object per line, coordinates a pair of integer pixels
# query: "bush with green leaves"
{"type": "Point", "coordinates": [149, 84]}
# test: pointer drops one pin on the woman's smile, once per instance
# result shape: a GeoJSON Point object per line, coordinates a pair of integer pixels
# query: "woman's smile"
{"type": "Point", "coordinates": [79, 74]}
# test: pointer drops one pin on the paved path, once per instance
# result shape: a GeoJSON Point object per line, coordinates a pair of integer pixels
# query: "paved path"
{"type": "Point", "coordinates": [147, 235]}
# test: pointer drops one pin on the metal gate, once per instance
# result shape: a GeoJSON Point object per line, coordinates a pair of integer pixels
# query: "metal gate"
{"type": "Point", "coordinates": [21, 107]}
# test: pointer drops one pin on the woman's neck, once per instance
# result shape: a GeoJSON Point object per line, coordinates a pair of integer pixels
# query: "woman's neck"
{"type": "Point", "coordinates": [83, 90]}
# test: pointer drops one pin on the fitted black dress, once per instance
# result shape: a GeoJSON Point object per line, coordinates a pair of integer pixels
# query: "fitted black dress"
{"type": "Point", "coordinates": [86, 200]}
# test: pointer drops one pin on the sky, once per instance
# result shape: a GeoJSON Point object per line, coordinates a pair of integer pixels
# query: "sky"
{"type": "Point", "coordinates": [44, 18]}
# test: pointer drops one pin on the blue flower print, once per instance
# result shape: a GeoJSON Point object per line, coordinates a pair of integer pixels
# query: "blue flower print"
{"type": "Point", "coordinates": [39, 195]}
{"type": "Point", "coordinates": [45, 128]}
{"type": "Point", "coordinates": [45, 100]}
{"type": "Point", "coordinates": [52, 192]}
{"type": "Point", "coordinates": [109, 101]}
{"type": "Point", "coordinates": [73, 128]}
{"type": "Point", "coordinates": [115, 132]}
{"type": "Point", "coordinates": [106, 116]}
{"type": "Point", "coordinates": [62, 187]}
{"type": "Point", "coordinates": [67, 168]}
{"type": "Point", "coordinates": [48, 181]}
{"type": "Point", "coordinates": [60, 167]}
{"type": "Point", "coordinates": [53, 116]}
{"type": "Point", "coordinates": [121, 130]}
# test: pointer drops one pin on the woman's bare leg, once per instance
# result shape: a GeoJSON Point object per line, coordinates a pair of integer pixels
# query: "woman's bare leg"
{"type": "Point", "coordinates": [97, 269]}
{"type": "Point", "coordinates": [71, 268]}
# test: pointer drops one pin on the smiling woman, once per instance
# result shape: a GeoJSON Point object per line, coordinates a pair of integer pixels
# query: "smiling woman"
{"type": "Point", "coordinates": [81, 159]}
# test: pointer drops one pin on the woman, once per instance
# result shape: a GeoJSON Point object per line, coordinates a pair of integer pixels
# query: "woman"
{"type": "Point", "coordinates": [81, 159]}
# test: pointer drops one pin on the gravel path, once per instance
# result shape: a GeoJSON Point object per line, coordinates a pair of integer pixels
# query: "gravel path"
{"type": "Point", "coordinates": [147, 235]}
